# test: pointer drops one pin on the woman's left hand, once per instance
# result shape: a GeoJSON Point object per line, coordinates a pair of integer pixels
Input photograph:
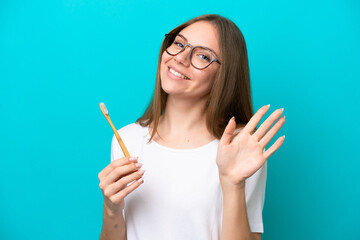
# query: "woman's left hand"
{"type": "Point", "coordinates": [240, 157]}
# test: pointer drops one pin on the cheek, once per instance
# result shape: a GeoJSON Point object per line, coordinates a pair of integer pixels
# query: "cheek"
{"type": "Point", "coordinates": [164, 59]}
{"type": "Point", "coordinates": [209, 80]}
{"type": "Point", "coordinates": [208, 83]}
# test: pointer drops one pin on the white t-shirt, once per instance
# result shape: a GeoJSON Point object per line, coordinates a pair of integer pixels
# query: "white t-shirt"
{"type": "Point", "coordinates": [181, 197]}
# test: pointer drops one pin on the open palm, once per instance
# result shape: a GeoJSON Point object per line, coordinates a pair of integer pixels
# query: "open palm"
{"type": "Point", "coordinates": [242, 156]}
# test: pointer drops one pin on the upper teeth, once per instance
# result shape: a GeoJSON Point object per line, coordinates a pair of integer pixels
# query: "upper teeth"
{"type": "Point", "coordinates": [177, 74]}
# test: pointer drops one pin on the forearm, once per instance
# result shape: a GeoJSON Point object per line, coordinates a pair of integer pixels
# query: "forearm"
{"type": "Point", "coordinates": [113, 226]}
{"type": "Point", "coordinates": [235, 225]}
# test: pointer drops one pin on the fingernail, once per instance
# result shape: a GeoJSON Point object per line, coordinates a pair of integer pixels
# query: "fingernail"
{"type": "Point", "coordinates": [141, 180]}
{"type": "Point", "coordinates": [138, 164]}
{"type": "Point", "coordinates": [133, 159]}
{"type": "Point", "coordinates": [232, 119]}
{"type": "Point", "coordinates": [282, 109]}
{"type": "Point", "coordinates": [141, 171]}
{"type": "Point", "coordinates": [284, 137]}
{"type": "Point", "coordinates": [268, 105]}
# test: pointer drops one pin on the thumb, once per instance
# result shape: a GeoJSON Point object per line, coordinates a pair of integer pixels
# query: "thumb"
{"type": "Point", "coordinates": [228, 132]}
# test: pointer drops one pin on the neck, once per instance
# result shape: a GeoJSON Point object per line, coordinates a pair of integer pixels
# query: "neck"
{"type": "Point", "coordinates": [183, 116]}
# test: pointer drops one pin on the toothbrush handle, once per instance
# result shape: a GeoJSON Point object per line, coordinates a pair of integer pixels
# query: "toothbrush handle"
{"type": "Point", "coordinates": [122, 145]}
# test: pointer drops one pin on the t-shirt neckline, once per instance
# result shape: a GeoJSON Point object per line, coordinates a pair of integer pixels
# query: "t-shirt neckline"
{"type": "Point", "coordinates": [179, 149]}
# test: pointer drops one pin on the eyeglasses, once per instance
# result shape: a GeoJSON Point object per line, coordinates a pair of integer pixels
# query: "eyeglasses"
{"type": "Point", "coordinates": [200, 57]}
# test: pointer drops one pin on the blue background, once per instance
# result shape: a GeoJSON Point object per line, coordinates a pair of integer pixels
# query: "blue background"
{"type": "Point", "coordinates": [60, 59]}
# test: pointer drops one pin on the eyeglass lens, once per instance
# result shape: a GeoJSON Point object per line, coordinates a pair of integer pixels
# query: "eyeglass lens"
{"type": "Point", "coordinates": [200, 57]}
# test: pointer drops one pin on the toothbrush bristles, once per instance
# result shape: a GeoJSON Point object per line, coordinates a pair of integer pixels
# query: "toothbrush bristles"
{"type": "Point", "coordinates": [104, 109]}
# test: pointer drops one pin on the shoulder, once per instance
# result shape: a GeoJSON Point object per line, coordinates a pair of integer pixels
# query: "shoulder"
{"type": "Point", "coordinates": [132, 130]}
{"type": "Point", "coordinates": [132, 136]}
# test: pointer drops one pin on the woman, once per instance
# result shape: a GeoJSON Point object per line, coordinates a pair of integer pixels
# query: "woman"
{"type": "Point", "coordinates": [197, 161]}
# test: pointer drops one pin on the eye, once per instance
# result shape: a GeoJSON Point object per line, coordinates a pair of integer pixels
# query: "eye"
{"type": "Point", "coordinates": [179, 44]}
{"type": "Point", "coordinates": [204, 57]}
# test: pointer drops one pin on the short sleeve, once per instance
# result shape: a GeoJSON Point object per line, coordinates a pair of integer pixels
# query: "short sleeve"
{"type": "Point", "coordinates": [255, 198]}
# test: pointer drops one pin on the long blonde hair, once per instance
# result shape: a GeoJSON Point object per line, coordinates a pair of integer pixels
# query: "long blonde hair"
{"type": "Point", "coordinates": [230, 94]}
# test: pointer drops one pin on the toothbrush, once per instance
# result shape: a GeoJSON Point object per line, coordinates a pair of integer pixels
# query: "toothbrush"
{"type": "Point", "coordinates": [106, 114]}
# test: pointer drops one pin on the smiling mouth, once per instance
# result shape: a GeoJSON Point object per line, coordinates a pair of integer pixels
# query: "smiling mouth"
{"type": "Point", "coordinates": [178, 74]}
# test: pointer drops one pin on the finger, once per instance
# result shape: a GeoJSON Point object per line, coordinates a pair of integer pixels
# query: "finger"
{"type": "Point", "coordinates": [121, 188]}
{"type": "Point", "coordinates": [123, 182]}
{"type": "Point", "coordinates": [228, 132]}
{"type": "Point", "coordinates": [267, 124]}
{"type": "Point", "coordinates": [274, 147]}
{"type": "Point", "coordinates": [116, 163]}
{"type": "Point", "coordinates": [254, 120]}
{"type": "Point", "coordinates": [112, 165]}
{"type": "Point", "coordinates": [271, 133]}
{"type": "Point", "coordinates": [120, 172]}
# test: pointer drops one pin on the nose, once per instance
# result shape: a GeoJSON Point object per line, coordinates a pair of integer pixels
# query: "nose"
{"type": "Point", "coordinates": [183, 57]}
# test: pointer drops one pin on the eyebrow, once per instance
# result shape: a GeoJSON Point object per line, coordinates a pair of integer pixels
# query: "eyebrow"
{"type": "Point", "coordinates": [206, 47]}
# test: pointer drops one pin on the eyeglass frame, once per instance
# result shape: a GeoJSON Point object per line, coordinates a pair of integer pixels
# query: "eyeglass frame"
{"type": "Point", "coordinates": [213, 59]}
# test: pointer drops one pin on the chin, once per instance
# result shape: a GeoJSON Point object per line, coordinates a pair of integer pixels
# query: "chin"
{"type": "Point", "coordinates": [173, 90]}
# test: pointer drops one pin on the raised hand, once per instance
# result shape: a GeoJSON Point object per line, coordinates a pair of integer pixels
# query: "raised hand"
{"type": "Point", "coordinates": [241, 157]}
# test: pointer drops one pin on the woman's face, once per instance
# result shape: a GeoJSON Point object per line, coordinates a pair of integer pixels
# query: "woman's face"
{"type": "Point", "coordinates": [198, 83]}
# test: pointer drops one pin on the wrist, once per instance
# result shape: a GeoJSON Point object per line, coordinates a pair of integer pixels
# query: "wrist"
{"type": "Point", "coordinates": [229, 185]}
{"type": "Point", "coordinates": [113, 213]}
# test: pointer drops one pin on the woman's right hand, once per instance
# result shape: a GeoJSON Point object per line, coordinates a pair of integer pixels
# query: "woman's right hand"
{"type": "Point", "coordinates": [114, 179]}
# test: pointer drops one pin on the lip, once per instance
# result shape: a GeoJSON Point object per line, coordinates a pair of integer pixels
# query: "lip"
{"type": "Point", "coordinates": [174, 76]}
